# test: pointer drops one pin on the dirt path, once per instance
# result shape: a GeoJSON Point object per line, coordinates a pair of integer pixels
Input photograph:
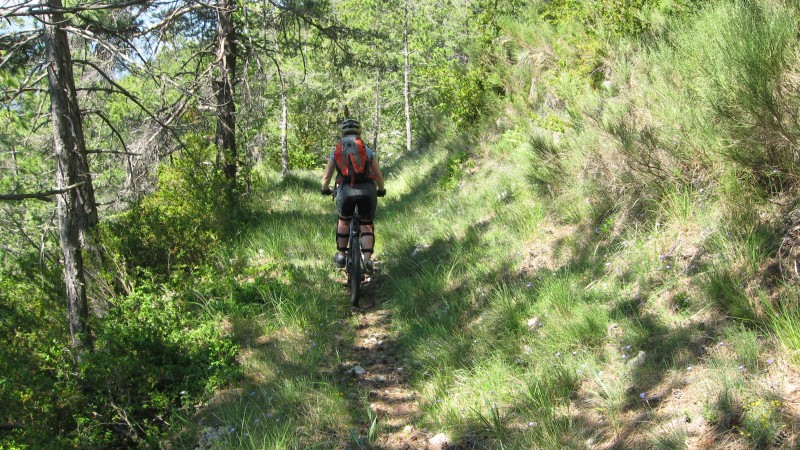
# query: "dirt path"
{"type": "Point", "coordinates": [385, 378]}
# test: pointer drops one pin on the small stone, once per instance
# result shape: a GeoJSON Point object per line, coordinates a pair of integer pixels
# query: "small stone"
{"type": "Point", "coordinates": [534, 324]}
{"type": "Point", "coordinates": [638, 360]}
{"type": "Point", "coordinates": [357, 371]}
{"type": "Point", "coordinates": [439, 442]}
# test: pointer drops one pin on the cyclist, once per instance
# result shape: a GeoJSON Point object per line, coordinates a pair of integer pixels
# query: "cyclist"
{"type": "Point", "coordinates": [357, 175]}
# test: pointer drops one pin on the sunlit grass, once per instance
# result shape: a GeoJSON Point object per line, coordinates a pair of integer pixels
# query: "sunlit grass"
{"type": "Point", "coordinates": [503, 351]}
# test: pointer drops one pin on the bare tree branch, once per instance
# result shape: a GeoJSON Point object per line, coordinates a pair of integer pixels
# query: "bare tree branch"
{"type": "Point", "coordinates": [37, 9]}
{"type": "Point", "coordinates": [131, 97]}
{"type": "Point", "coordinates": [112, 152]}
{"type": "Point", "coordinates": [102, 115]}
{"type": "Point", "coordinates": [46, 195]}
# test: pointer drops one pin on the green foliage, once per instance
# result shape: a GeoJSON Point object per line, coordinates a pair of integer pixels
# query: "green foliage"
{"type": "Point", "coordinates": [180, 224]}
{"type": "Point", "coordinates": [740, 59]}
{"type": "Point", "coordinates": [461, 93]}
{"type": "Point", "coordinates": [33, 337]}
{"type": "Point", "coordinates": [614, 17]}
{"type": "Point", "coordinates": [155, 355]}
{"type": "Point", "coordinates": [454, 170]}
{"type": "Point", "coordinates": [784, 320]}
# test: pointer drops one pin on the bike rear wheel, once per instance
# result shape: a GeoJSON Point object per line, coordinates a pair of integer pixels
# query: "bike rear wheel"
{"type": "Point", "coordinates": [356, 266]}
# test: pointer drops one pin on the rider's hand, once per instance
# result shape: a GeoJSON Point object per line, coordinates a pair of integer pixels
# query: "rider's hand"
{"type": "Point", "coordinates": [381, 192]}
{"type": "Point", "coordinates": [327, 191]}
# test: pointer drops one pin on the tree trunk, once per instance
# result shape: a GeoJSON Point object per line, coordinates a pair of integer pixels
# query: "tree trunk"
{"type": "Point", "coordinates": [226, 107]}
{"type": "Point", "coordinates": [378, 15]}
{"type": "Point", "coordinates": [406, 74]}
{"type": "Point", "coordinates": [377, 109]}
{"type": "Point", "coordinates": [14, 169]}
{"type": "Point", "coordinates": [284, 123]}
{"type": "Point", "coordinates": [75, 208]}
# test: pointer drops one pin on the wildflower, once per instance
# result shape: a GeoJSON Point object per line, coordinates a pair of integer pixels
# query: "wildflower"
{"type": "Point", "coordinates": [770, 361]}
{"type": "Point", "coordinates": [643, 395]}
{"type": "Point", "coordinates": [741, 368]}
{"type": "Point", "coordinates": [558, 353]}
{"type": "Point", "coordinates": [531, 424]}
{"type": "Point", "coordinates": [689, 368]}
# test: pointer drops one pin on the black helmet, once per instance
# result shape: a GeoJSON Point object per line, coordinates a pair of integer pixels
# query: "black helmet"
{"type": "Point", "coordinates": [350, 126]}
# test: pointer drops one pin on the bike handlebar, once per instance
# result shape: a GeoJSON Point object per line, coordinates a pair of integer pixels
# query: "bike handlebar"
{"type": "Point", "coordinates": [329, 191]}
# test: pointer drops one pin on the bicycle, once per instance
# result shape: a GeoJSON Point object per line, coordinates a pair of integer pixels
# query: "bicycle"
{"type": "Point", "coordinates": [354, 263]}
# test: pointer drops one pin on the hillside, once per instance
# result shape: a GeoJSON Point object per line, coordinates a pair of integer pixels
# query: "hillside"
{"type": "Point", "coordinates": [589, 241]}
{"type": "Point", "coordinates": [496, 323]}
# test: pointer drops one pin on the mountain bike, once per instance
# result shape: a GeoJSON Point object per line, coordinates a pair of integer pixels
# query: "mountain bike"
{"type": "Point", "coordinates": [354, 263]}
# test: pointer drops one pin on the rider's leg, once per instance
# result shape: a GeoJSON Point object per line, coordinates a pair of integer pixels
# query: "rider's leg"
{"type": "Point", "coordinates": [342, 235]}
{"type": "Point", "coordinates": [367, 240]}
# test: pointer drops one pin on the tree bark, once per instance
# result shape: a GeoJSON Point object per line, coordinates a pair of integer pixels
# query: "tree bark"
{"type": "Point", "coordinates": [226, 107]}
{"type": "Point", "coordinates": [377, 109]}
{"type": "Point", "coordinates": [406, 75]}
{"type": "Point", "coordinates": [284, 123]}
{"type": "Point", "coordinates": [75, 208]}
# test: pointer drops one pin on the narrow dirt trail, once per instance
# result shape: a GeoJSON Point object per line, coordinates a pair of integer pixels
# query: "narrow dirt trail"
{"type": "Point", "coordinates": [385, 378]}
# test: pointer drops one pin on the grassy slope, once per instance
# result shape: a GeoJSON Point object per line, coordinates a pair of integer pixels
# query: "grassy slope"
{"type": "Point", "coordinates": [541, 295]}
{"type": "Point", "coordinates": [466, 268]}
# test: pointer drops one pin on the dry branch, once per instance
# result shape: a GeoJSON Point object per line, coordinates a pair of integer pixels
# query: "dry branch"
{"type": "Point", "coordinates": [46, 195]}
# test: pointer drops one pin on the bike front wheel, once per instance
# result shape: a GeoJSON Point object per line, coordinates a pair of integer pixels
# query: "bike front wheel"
{"type": "Point", "coordinates": [356, 270]}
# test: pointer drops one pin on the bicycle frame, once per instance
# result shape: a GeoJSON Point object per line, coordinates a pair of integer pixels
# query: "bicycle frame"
{"type": "Point", "coordinates": [354, 264]}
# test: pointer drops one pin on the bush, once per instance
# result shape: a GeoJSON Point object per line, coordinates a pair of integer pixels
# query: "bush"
{"type": "Point", "coordinates": [614, 17]}
{"type": "Point", "coordinates": [154, 356]}
{"type": "Point", "coordinates": [181, 222]}
{"type": "Point", "coordinates": [743, 60]}
{"type": "Point", "coordinates": [33, 338]}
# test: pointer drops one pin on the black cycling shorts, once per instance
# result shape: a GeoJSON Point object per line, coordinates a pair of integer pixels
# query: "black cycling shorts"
{"type": "Point", "coordinates": [364, 195]}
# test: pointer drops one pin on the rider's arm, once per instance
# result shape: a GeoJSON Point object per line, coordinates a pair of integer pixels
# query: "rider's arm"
{"type": "Point", "coordinates": [378, 175]}
{"type": "Point", "coordinates": [326, 177]}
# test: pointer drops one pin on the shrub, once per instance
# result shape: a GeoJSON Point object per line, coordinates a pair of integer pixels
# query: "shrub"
{"type": "Point", "coordinates": [614, 17]}
{"type": "Point", "coordinates": [154, 357]}
{"type": "Point", "coordinates": [180, 223]}
{"type": "Point", "coordinates": [742, 58]}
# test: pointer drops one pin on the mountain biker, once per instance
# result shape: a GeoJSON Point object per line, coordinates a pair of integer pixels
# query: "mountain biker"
{"type": "Point", "coordinates": [354, 189]}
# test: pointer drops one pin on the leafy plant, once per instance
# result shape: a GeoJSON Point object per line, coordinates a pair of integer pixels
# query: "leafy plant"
{"type": "Point", "coordinates": [180, 224]}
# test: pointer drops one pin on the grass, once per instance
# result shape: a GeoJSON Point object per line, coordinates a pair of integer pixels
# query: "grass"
{"type": "Point", "coordinates": [546, 289]}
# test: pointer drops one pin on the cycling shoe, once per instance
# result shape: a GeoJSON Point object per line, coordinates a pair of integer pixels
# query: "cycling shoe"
{"type": "Point", "coordinates": [339, 260]}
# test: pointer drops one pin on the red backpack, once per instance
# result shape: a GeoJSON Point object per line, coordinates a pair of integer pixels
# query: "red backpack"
{"type": "Point", "coordinates": [351, 160]}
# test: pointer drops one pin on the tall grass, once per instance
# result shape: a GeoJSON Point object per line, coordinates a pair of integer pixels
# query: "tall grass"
{"type": "Point", "coordinates": [647, 193]}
